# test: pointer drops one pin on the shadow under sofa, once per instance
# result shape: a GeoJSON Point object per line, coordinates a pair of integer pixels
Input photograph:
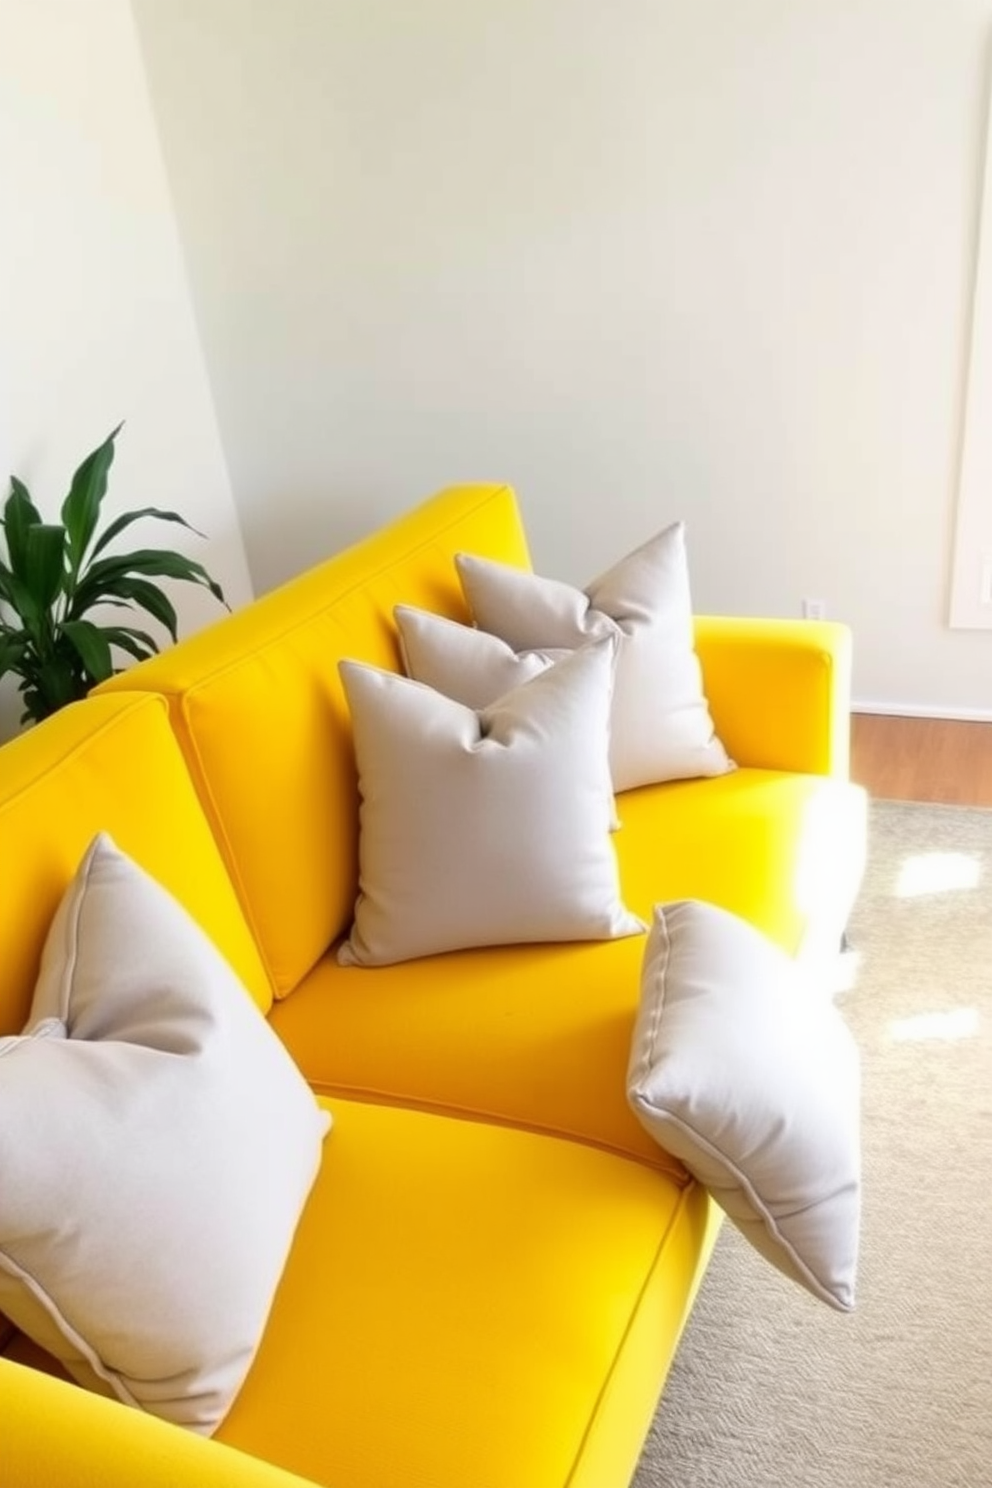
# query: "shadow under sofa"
{"type": "Point", "coordinates": [492, 1272]}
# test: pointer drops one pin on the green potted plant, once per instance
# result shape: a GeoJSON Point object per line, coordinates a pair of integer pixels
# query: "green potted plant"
{"type": "Point", "coordinates": [57, 574]}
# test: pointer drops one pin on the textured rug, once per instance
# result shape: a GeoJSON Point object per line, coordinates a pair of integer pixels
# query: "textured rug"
{"type": "Point", "coordinates": [769, 1386]}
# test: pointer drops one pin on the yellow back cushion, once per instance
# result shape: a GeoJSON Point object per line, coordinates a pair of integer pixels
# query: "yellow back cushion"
{"type": "Point", "coordinates": [258, 708]}
{"type": "Point", "coordinates": [109, 764]}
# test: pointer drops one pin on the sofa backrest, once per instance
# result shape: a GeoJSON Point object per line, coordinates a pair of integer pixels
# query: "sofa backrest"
{"type": "Point", "coordinates": [257, 705]}
{"type": "Point", "coordinates": [109, 764]}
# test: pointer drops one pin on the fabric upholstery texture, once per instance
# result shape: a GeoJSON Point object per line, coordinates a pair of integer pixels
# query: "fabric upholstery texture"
{"type": "Point", "coordinates": [157, 1146]}
{"type": "Point", "coordinates": [746, 1072]}
{"type": "Point", "coordinates": [502, 1287]}
{"type": "Point", "coordinates": [779, 690]}
{"type": "Point", "coordinates": [661, 725]}
{"type": "Point", "coordinates": [489, 827]}
{"type": "Point", "coordinates": [64, 1436]}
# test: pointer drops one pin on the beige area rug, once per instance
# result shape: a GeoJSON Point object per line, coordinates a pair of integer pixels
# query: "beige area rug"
{"type": "Point", "coordinates": [769, 1386]}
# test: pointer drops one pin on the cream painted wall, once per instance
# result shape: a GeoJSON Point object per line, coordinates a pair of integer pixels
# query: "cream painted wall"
{"type": "Point", "coordinates": [644, 261]}
{"type": "Point", "coordinates": [971, 574]}
{"type": "Point", "coordinates": [96, 323]}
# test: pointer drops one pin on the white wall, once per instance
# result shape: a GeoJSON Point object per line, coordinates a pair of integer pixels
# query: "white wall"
{"type": "Point", "coordinates": [96, 323]}
{"type": "Point", "coordinates": [971, 574]}
{"type": "Point", "coordinates": [644, 260]}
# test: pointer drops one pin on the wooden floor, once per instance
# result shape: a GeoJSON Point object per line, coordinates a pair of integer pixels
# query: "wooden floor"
{"type": "Point", "coordinates": [922, 759]}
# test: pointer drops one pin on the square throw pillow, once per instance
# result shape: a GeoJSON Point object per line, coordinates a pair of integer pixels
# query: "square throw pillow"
{"type": "Point", "coordinates": [487, 827]}
{"type": "Point", "coordinates": [157, 1146]}
{"type": "Point", "coordinates": [661, 726]}
{"type": "Point", "coordinates": [751, 1077]}
{"type": "Point", "coordinates": [469, 665]}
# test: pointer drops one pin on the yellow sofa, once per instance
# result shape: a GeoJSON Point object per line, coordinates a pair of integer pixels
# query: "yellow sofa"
{"type": "Point", "coordinates": [494, 1267]}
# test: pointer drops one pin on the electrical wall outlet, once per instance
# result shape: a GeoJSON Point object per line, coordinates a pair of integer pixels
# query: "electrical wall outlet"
{"type": "Point", "coordinates": [814, 609]}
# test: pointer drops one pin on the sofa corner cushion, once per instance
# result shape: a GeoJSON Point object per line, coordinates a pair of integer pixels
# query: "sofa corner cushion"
{"type": "Point", "coordinates": [487, 827]}
{"type": "Point", "coordinates": [661, 723]}
{"type": "Point", "coordinates": [157, 1146]}
{"type": "Point", "coordinates": [750, 1076]}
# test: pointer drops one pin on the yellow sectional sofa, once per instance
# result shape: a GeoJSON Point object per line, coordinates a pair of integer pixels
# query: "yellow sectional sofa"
{"type": "Point", "coordinates": [495, 1263]}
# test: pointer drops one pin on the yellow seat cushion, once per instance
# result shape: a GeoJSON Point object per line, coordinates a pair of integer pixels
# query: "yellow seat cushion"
{"type": "Point", "coordinates": [429, 1305]}
{"type": "Point", "coordinates": [540, 1035]}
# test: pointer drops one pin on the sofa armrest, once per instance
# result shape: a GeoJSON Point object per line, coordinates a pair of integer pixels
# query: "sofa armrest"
{"type": "Point", "coordinates": [779, 691]}
{"type": "Point", "coordinates": [54, 1432]}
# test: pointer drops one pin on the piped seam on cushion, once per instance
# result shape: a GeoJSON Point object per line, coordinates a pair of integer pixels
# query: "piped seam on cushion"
{"type": "Point", "coordinates": [670, 1167]}
{"type": "Point", "coordinates": [68, 1331]}
{"type": "Point", "coordinates": [48, 1028]}
{"type": "Point", "coordinates": [218, 831]}
{"type": "Point", "coordinates": [768, 1219]}
{"type": "Point", "coordinates": [326, 609]}
{"type": "Point", "coordinates": [661, 978]}
{"type": "Point", "coordinates": [677, 1214]}
{"type": "Point", "coordinates": [140, 700]}
{"type": "Point", "coordinates": [72, 933]}
{"type": "Point", "coordinates": [645, 1065]}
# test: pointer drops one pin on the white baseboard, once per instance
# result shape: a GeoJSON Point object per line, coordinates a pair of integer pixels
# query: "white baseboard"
{"type": "Point", "coordinates": [923, 710]}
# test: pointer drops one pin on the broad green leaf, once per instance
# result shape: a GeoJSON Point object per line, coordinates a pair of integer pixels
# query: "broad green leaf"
{"type": "Point", "coordinates": [137, 643]}
{"type": "Point", "coordinates": [120, 523]}
{"type": "Point", "coordinates": [157, 562]}
{"type": "Point", "coordinates": [106, 577]}
{"type": "Point", "coordinates": [92, 647]}
{"type": "Point", "coordinates": [176, 566]}
{"type": "Point", "coordinates": [81, 508]}
{"type": "Point", "coordinates": [150, 597]}
{"type": "Point", "coordinates": [112, 602]}
{"type": "Point", "coordinates": [55, 575]}
{"type": "Point", "coordinates": [19, 515]}
{"type": "Point", "coordinates": [12, 648]}
{"type": "Point", "coordinates": [114, 632]}
{"type": "Point", "coordinates": [133, 591]}
{"type": "Point", "coordinates": [43, 563]}
{"type": "Point", "coordinates": [22, 601]}
{"type": "Point", "coordinates": [19, 488]}
{"type": "Point", "coordinates": [5, 581]}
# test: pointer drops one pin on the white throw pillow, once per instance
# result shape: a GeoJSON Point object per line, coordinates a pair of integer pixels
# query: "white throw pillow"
{"type": "Point", "coordinates": [739, 1067]}
{"type": "Point", "coordinates": [661, 724]}
{"type": "Point", "coordinates": [469, 665]}
{"type": "Point", "coordinates": [483, 828]}
{"type": "Point", "coordinates": [157, 1146]}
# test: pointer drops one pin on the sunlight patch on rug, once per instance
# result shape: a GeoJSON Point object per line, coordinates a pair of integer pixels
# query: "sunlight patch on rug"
{"type": "Point", "coordinates": [962, 1023]}
{"type": "Point", "coordinates": [937, 873]}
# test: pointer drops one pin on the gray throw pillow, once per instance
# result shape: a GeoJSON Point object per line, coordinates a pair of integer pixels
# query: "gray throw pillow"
{"type": "Point", "coordinates": [746, 1072]}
